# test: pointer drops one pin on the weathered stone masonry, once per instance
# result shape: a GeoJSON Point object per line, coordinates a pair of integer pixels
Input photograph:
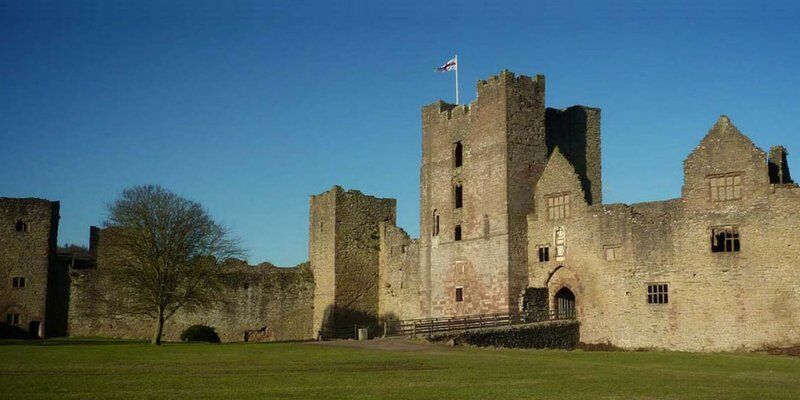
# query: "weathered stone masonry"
{"type": "Point", "coordinates": [641, 275]}
{"type": "Point", "coordinates": [344, 249]}
{"type": "Point", "coordinates": [743, 299]}
{"type": "Point", "coordinates": [511, 216]}
{"type": "Point", "coordinates": [504, 138]}
{"type": "Point", "coordinates": [29, 271]}
{"type": "Point", "coordinates": [253, 298]}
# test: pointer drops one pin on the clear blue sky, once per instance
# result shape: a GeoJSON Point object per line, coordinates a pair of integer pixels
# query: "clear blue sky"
{"type": "Point", "coordinates": [250, 108]}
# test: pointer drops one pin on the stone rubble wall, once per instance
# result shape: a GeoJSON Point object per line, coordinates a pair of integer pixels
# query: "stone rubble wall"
{"type": "Point", "coordinates": [399, 296]}
{"type": "Point", "coordinates": [254, 297]}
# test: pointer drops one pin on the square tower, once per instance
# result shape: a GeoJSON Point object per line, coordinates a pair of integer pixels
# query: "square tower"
{"type": "Point", "coordinates": [480, 163]}
{"type": "Point", "coordinates": [28, 236]}
{"type": "Point", "coordinates": [344, 249]}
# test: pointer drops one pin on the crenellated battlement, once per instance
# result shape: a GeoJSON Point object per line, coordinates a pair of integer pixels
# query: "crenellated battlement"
{"type": "Point", "coordinates": [488, 92]}
{"type": "Point", "coordinates": [508, 77]}
{"type": "Point", "coordinates": [446, 111]}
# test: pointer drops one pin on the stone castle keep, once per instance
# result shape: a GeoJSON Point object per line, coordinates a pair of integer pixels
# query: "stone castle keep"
{"type": "Point", "coordinates": [511, 218]}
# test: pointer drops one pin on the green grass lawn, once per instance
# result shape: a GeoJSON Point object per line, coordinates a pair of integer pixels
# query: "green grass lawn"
{"type": "Point", "coordinates": [75, 369]}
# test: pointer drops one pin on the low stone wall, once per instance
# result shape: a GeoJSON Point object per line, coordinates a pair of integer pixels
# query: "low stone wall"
{"type": "Point", "coordinates": [541, 335]}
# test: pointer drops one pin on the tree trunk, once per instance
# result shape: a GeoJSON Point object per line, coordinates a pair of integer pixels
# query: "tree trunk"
{"type": "Point", "coordinates": [159, 327]}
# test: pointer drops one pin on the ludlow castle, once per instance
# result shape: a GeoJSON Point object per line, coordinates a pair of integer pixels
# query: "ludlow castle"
{"type": "Point", "coordinates": [511, 217]}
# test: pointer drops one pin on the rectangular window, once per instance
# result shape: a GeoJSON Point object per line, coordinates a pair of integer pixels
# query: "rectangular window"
{"type": "Point", "coordinates": [657, 293]}
{"type": "Point", "coordinates": [725, 239]}
{"type": "Point", "coordinates": [457, 233]}
{"type": "Point", "coordinates": [613, 253]}
{"type": "Point", "coordinates": [725, 187]}
{"type": "Point", "coordinates": [459, 196]}
{"type": "Point", "coordinates": [558, 206]}
{"type": "Point", "coordinates": [12, 319]}
{"type": "Point", "coordinates": [544, 253]}
{"type": "Point", "coordinates": [18, 282]}
{"type": "Point", "coordinates": [459, 294]}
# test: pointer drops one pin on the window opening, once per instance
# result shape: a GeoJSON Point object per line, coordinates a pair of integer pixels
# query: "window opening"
{"type": "Point", "coordinates": [725, 239]}
{"type": "Point", "coordinates": [558, 206]}
{"type": "Point", "coordinates": [458, 155]}
{"type": "Point", "coordinates": [544, 253]}
{"type": "Point", "coordinates": [658, 293]}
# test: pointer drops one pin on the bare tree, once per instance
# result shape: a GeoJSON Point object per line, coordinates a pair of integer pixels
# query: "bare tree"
{"type": "Point", "coordinates": [165, 253]}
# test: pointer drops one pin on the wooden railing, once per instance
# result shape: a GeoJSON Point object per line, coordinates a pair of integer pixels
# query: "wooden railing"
{"type": "Point", "coordinates": [426, 326]}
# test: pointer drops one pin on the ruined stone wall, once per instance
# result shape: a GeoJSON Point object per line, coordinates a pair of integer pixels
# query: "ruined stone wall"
{"type": "Point", "coordinates": [30, 254]}
{"type": "Point", "coordinates": [502, 133]}
{"type": "Point", "coordinates": [399, 295]}
{"type": "Point", "coordinates": [576, 132]}
{"type": "Point", "coordinates": [717, 301]}
{"type": "Point", "coordinates": [254, 297]}
{"type": "Point", "coordinates": [344, 247]}
{"type": "Point", "coordinates": [321, 256]}
{"type": "Point", "coordinates": [358, 218]}
{"type": "Point", "coordinates": [526, 158]}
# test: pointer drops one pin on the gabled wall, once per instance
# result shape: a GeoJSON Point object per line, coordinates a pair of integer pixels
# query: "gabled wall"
{"type": "Point", "coordinates": [717, 301]}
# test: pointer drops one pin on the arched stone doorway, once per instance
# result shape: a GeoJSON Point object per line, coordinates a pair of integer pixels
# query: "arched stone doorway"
{"type": "Point", "coordinates": [565, 303]}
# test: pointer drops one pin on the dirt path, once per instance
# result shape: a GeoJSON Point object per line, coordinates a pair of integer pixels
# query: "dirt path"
{"type": "Point", "coordinates": [388, 344]}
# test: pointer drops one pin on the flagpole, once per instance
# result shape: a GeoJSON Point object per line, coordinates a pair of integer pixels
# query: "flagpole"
{"type": "Point", "coordinates": [456, 79]}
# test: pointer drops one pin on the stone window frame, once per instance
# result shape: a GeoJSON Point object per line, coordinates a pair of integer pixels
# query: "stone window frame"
{"type": "Point", "coordinates": [458, 294]}
{"type": "Point", "coordinates": [736, 186]}
{"type": "Point", "coordinates": [544, 256]}
{"type": "Point", "coordinates": [13, 318]}
{"type": "Point", "coordinates": [458, 234]}
{"type": "Point", "coordinates": [559, 211]}
{"type": "Point", "coordinates": [435, 221]}
{"type": "Point", "coordinates": [657, 293]}
{"type": "Point", "coordinates": [458, 196]}
{"type": "Point", "coordinates": [458, 154]}
{"type": "Point", "coordinates": [21, 226]}
{"type": "Point", "coordinates": [732, 239]}
{"type": "Point", "coordinates": [617, 250]}
{"type": "Point", "coordinates": [19, 282]}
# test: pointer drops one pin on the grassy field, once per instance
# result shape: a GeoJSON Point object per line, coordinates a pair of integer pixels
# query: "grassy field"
{"type": "Point", "coordinates": [127, 370]}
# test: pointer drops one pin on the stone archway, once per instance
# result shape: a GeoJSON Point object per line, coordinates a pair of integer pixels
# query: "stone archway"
{"type": "Point", "coordinates": [564, 286]}
{"type": "Point", "coordinates": [564, 302]}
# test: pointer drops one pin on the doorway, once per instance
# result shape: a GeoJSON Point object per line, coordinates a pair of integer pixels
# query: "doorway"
{"type": "Point", "coordinates": [33, 328]}
{"type": "Point", "coordinates": [565, 304]}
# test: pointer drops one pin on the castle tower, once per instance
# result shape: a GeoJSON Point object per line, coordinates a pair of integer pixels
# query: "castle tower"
{"type": "Point", "coordinates": [28, 236]}
{"type": "Point", "coordinates": [480, 163]}
{"type": "Point", "coordinates": [344, 247]}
